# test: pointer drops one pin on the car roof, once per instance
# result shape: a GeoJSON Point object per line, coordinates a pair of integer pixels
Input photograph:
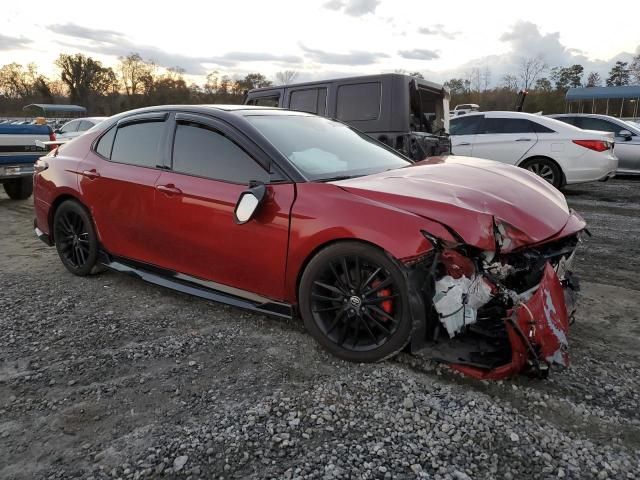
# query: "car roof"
{"type": "Point", "coordinates": [547, 121]}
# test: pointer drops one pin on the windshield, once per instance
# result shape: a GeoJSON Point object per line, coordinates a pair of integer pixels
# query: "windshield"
{"type": "Point", "coordinates": [324, 149]}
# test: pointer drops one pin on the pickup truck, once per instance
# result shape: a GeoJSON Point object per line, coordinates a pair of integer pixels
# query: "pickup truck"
{"type": "Point", "coordinates": [18, 153]}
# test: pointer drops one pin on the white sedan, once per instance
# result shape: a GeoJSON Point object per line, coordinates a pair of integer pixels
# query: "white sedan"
{"type": "Point", "coordinates": [77, 127]}
{"type": "Point", "coordinates": [560, 153]}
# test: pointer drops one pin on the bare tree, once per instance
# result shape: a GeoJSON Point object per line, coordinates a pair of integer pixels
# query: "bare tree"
{"type": "Point", "coordinates": [530, 70]}
{"type": "Point", "coordinates": [593, 80]}
{"type": "Point", "coordinates": [475, 79]}
{"type": "Point", "coordinates": [133, 71]}
{"type": "Point", "coordinates": [286, 77]}
{"type": "Point", "coordinates": [486, 79]}
{"type": "Point", "coordinates": [510, 82]}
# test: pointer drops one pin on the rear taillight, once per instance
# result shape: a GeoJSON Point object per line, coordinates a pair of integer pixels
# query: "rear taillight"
{"type": "Point", "coordinates": [597, 145]}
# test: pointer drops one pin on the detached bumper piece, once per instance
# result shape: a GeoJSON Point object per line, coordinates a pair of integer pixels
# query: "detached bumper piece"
{"type": "Point", "coordinates": [491, 315]}
{"type": "Point", "coordinates": [537, 331]}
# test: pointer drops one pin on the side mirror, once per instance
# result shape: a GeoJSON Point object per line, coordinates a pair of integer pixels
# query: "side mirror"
{"type": "Point", "coordinates": [57, 131]}
{"type": "Point", "coordinates": [249, 202]}
{"type": "Point", "coordinates": [626, 134]}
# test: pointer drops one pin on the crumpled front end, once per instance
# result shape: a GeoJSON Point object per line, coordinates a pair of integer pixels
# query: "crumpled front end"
{"type": "Point", "coordinates": [493, 314]}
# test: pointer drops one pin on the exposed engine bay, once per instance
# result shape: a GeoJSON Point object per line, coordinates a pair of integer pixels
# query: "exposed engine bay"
{"type": "Point", "coordinates": [492, 314]}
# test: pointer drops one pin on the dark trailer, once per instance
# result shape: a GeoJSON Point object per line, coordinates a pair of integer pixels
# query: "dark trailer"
{"type": "Point", "coordinates": [406, 113]}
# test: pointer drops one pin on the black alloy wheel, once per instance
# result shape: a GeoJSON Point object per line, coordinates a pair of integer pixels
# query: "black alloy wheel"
{"type": "Point", "coordinates": [546, 169]}
{"type": "Point", "coordinates": [353, 301]}
{"type": "Point", "coordinates": [75, 238]}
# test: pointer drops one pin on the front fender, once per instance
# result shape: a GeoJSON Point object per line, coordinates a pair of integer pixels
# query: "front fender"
{"type": "Point", "coordinates": [324, 213]}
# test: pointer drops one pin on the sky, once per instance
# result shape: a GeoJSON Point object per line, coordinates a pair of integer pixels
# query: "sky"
{"type": "Point", "coordinates": [321, 39]}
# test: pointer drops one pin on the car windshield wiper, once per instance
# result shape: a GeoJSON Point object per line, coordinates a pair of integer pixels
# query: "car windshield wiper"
{"type": "Point", "coordinates": [338, 177]}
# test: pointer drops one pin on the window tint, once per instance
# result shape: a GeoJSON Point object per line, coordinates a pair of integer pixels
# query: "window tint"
{"type": "Point", "coordinates": [541, 128]}
{"type": "Point", "coordinates": [103, 147]}
{"type": "Point", "coordinates": [569, 120]}
{"type": "Point", "coordinates": [200, 151]}
{"type": "Point", "coordinates": [506, 125]}
{"type": "Point", "coordinates": [311, 100]}
{"type": "Point", "coordinates": [304, 100]}
{"type": "Point", "coordinates": [588, 123]}
{"type": "Point", "coordinates": [138, 144]}
{"type": "Point", "coordinates": [465, 126]}
{"type": "Point", "coordinates": [70, 127]}
{"type": "Point", "coordinates": [359, 102]}
{"type": "Point", "coordinates": [266, 101]}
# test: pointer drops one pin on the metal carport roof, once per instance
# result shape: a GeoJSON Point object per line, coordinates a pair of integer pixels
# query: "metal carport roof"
{"type": "Point", "coordinates": [591, 93]}
{"type": "Point", "coordinates": [55, 108]}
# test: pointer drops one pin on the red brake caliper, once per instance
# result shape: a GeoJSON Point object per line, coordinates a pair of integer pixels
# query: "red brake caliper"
{"type": "Point", "coordinates": [386, 305]}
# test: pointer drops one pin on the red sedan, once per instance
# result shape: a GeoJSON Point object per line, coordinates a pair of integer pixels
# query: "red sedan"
{"type": "Point", "coordinates": [289, 214]}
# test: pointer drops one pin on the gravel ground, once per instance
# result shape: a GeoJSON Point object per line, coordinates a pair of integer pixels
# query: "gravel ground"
{"type": "Point", "coordinates": [109, 377]}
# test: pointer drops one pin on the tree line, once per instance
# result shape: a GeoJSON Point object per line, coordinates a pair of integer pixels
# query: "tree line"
{"type": "Point", "coordinates": [133, 82]}
{"type": "Point", "coordinates": [136, 82]}
{"type": "Point", "coordinates": [546, 86]}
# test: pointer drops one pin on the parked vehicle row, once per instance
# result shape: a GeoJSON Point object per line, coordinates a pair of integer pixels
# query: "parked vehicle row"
{"type": "Point", "coordinates": [560, 153]}
{"type": "Point", "coordinates": [282, 212]}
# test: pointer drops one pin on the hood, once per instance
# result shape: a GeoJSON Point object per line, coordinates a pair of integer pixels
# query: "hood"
{"type": "Point", "coordinates": [468, 195]}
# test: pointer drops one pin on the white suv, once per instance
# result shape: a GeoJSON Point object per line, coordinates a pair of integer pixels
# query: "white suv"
{"type": "Point", "coordinates": [560, 153]}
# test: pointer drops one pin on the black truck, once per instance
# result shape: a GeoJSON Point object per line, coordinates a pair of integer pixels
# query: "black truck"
{"type": "Point", "coordinates": [407, 113]}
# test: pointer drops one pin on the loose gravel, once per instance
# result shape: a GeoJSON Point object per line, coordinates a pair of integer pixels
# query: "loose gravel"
{"type": "Point", "coordinates": [108, 377]}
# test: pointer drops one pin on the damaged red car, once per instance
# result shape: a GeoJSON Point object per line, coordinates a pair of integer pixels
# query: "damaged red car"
{"type": "Point", "coordinates": [465, 260]}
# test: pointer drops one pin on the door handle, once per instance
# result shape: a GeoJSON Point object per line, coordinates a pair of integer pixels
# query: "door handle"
{"type": "Point", "coordinates": [169, 189]}
{"type": "Point", "coordinates": [463, 144]}
{"type": "Point", "coordinates": [90, 174]}
{"type": "Point", "coordinates": [523, 140]}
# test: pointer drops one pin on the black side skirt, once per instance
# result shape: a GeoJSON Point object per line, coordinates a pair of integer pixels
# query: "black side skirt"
{"type": "Point", "coordinates": [197, 287]}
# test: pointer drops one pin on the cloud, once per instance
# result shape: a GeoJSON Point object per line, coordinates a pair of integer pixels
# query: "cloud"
{"type": "Point", "coordinates": [355, 8]}
{"type": "Point", "coordinates": [352, 58]}
{"type": "Point", "coordinates": [419, 54]}
{"type": "Point", "coordinates": [438, 30]}
{"type": "Point", "coordinates": [13, 43]}
{"type": "Point", "coordinates": [525, 41]}
{"type": "Point", "coordinates": [110, 42]}
{"type": "Point", "coordinates": [78, 31]}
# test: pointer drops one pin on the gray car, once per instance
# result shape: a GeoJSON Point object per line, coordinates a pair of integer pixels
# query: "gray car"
{"type": "Point", "coordinates": [627, 136]}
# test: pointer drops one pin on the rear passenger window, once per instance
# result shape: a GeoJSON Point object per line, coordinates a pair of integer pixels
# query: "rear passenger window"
{"type": "Point", "coordinates": [359, 102]}
{"type": "Point", "coordinates": [202, 152]}
{"type": "Point", "coordinates": [541, 128]}
{"type": "Point", "coordinates": [311, 100]}
{"type": "Point", "coordinates": [304, 100]}
{"type": "Point", "coordinates": [465, 126]}
{"type": "Point", "coordinates": [266, 101]}
{"type": "Point", "coordinates": [138, 144]}
{"type": "Point", "coordinates": [103, 147]}
{"type": "Point", "coordinates": [506, 125]}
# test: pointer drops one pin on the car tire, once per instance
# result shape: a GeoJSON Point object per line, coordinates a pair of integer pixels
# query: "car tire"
{"type": "Point", "coordinates": [353, 300]}
{"type": "Point", "coordinates": [19, 188]}
{"type": "Point", "coordinates": [75, 238]}
{"type": "Point", "coordinates": [546, 169]}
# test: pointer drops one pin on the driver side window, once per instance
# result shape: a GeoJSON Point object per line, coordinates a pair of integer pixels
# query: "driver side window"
{"type": "Point", "coordinates": [204, 152]}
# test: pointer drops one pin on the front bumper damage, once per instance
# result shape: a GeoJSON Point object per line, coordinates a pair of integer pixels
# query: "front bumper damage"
{"type": "Point", "coordinates": [491, 315]}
